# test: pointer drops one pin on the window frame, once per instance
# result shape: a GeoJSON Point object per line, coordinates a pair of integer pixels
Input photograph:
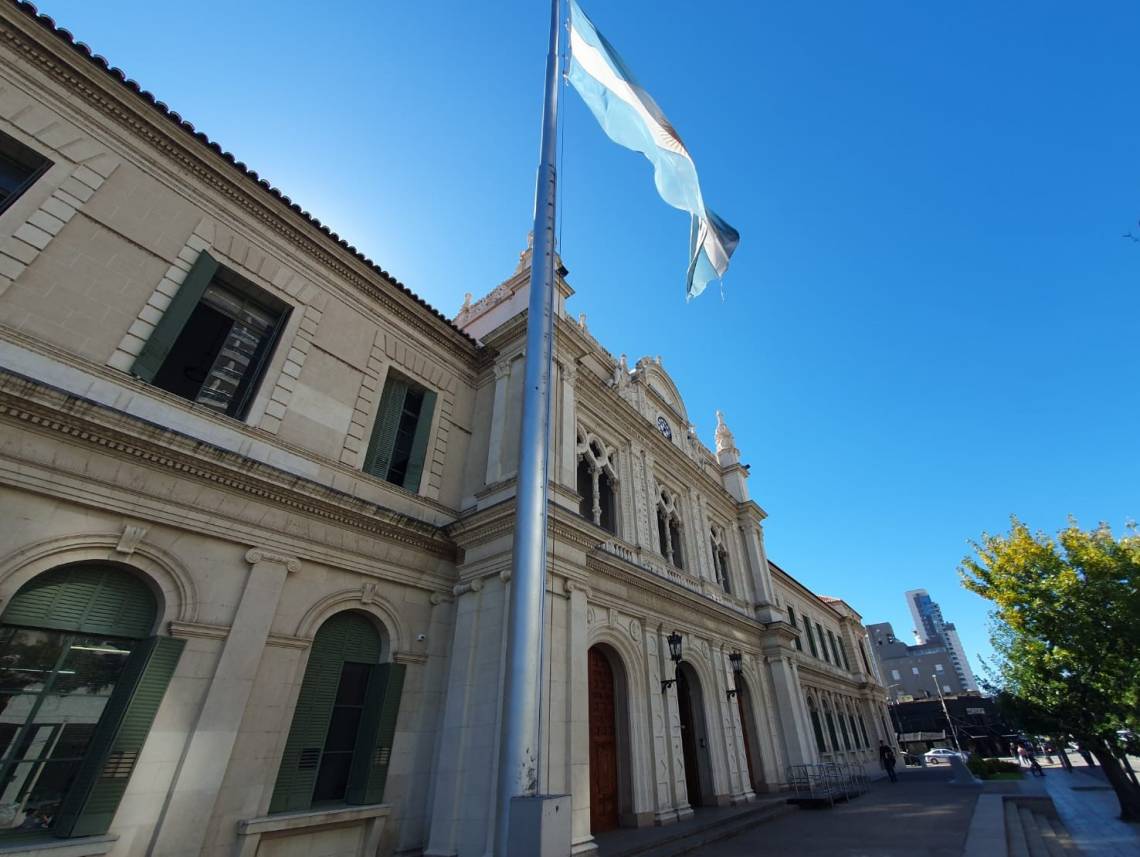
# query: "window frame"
{"type": "Point", "coordinates": [25, 156]}
{"type": "Point", "coordinates": [207, 271]}
{"type": "Point", "coordinates": [386, 422]}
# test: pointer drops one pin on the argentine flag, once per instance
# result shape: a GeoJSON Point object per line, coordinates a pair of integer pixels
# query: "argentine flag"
{"type": "Point", "coordinates": [631, 118]}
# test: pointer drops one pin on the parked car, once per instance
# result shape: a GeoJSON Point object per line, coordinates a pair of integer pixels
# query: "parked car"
{"type": "Point", "coordinates": [942, 754]}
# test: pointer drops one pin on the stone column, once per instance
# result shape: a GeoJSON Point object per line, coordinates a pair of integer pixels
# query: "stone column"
{"type": "Point", "coordinates": [578, 733]}
{"type": "Point", "coordinates": [567, 466]}
{"type": "Point", "coordinates": [185, 820]}
{"type": "Point", "coordinates": [498, 422]}
{"type": "Point", "coordinates": [449, 774]}
{"type": "Point", "coordinates": [761, 575]}
{"type": "Point", "coordinates": [794, 729]}
{"type": "Point", "coordinates": [678, 795]}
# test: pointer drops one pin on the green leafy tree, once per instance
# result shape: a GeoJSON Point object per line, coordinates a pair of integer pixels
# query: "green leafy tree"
{"type": "Point", "coordinates": [1067, 634]}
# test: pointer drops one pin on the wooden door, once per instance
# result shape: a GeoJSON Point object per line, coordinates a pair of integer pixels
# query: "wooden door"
{"type": "Point", "coordinates": [689, 741]}
{"type": "Point", "coordinates": [603, 745]}
{"type": "Point", "coordinates": [744, 733]}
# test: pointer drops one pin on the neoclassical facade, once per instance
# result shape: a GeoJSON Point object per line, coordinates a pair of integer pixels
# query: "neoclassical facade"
{"type": "Point", "coordinates": [258, 507]}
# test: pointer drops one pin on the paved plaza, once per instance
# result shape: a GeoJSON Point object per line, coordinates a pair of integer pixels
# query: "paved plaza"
{"type": "Point", "coordinates": [923, 815]}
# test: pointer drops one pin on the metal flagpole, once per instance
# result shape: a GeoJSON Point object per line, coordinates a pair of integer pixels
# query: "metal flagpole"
{"type": "Point", "coordinates": [518, 743]}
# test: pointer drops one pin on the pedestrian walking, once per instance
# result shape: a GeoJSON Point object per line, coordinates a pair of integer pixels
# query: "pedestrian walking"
{"type": "Point", "coordinates": [1022, 756]}
{"type": "Point", "coordinates": [1034, 765]}
{"type": "Point", "coordinates": [887, 760]}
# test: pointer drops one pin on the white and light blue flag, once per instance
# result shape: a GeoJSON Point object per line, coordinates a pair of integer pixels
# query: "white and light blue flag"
{"type": "Point", "coordinates": [631, 118]}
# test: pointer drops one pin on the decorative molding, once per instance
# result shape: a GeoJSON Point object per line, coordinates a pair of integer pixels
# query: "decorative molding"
{"type": "Point", "coordinates": [437, 598]}
{"type": "Point", "coordinates": [198, 629]}
{"type": "Point", "coordinates": [409, 658]}
{"type": "Point", "coordinates": [48, 409]}
{"type": "Point", "coordinates": [130, 539]}
{"type": "Point", "coordinates": [286, 641]}
{"type": "Point", "coordinates": [255, 556]}
{"type": "Point", "coordinates": [475, 585]}
{"type": "Point", "coordinates": [368, 593]}
{"type": "Point", "coordinates": [191, 156]}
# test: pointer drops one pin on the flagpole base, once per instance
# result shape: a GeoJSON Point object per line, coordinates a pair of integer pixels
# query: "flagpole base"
{"type": "Point", "coordinates": [540, 826]}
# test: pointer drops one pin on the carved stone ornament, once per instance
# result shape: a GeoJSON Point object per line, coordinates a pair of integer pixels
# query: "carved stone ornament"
{"type": "Point", "coordinates": [129, 541]}
{"type": "Point", "coordinates": [635, 630]}
{"type": "Point", "coordinates": [257, 555]}
{"type": "Point", "coordinates": [368, 593]}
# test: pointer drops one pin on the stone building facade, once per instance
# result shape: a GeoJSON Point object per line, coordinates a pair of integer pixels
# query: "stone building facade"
{"type": "Point", "coordinates": [255, 549]}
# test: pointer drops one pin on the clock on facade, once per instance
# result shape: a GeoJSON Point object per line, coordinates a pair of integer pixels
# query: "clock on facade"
{"type": "Point", "coordinates": [664, 426]}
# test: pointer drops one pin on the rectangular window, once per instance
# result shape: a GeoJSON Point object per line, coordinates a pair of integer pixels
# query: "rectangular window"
{"type": "Point", "coordinates": [834, 647]}
{"type": "Point", "coordinates": [214, 341]}
{"type": "Point", "coordinates": [938, 667]}
{"type": "Point", "coordinates": [914, 670]}
{"type": "Point", "coordinates": [895, 675]}
{"type": "Point", "coordinates": [811, 639]}
{"type": "Point", "coordinates": [792, 619]}
{"type": "Point", "coordinates": [399, 441]}
{"type": "Point", "coordinates": [20, 167]}
{"type": "Point", "coordinates": [822, 642]}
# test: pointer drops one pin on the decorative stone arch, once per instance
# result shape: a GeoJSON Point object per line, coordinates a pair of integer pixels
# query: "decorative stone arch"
{"type": "Point", "coordinates": [630, 714]}
{"type": "Point", "coordinates": [364, 600]}
{"type": "Point", "coordinates": [670, 525]}
{"type": "Point", "coordinates": [650, 372]}
{"type": "Point", "coordinates": [174, 590]}
{"type": "Point", "coordinates": [600, 491]}
{"type": "Point", "coordinates": [765, 718]}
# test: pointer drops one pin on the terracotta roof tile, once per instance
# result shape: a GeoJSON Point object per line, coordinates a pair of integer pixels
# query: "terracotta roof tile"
{"type": "Point", "coordinates": [119, 75]}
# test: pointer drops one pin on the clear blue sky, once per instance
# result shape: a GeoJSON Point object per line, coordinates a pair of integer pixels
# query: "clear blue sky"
{"type": "Point", "coordinates": [932, 321]}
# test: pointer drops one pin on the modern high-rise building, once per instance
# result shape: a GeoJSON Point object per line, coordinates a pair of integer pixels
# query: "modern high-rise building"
{"type": "Point", "coordinates": [931, 628]}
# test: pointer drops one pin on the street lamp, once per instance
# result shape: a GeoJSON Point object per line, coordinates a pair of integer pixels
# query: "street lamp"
{"type": "Point", "coordinates": [953, 731]}
{"type": "Point", "coordinates": [737, 661]}
{"type": "Point", "coordinates": [675, 641]}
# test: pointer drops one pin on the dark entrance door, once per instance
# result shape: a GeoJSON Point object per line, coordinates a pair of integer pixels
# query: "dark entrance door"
{"type": "Point", "coordinates": [746, 735]}
{"type": "Point", "coordinates": [603, 745]}
{"type": "Point", "coordinates": [689, 740]}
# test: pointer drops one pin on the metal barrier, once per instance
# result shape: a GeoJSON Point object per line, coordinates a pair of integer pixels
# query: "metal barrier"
{"type": "Point", "coordinates": [827, 782]}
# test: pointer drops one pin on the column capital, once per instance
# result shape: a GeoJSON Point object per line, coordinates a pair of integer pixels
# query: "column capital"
{"type": "Point", "coordinates": [255, 556]}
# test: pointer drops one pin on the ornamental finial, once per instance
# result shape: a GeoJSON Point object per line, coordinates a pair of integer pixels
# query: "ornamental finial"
{"type": "Point", "coordinates": [724, 438]}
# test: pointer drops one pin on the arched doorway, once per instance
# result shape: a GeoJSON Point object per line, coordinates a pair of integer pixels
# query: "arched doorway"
{"type": "Point", "coordinates": [605, 776]}
{"type": "Point", "coordinates": [694, 743]}
{"type": "Point", "coordinates": [748, 733]}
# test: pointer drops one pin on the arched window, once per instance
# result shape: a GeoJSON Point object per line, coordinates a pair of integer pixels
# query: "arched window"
{"type": "Point", "coordinates": [720, 558]}
{"type": "Point", "coordinates": [816, 727]}
{"type": "Point", "coordinates": [340, 740]}
{"type": "Point", "coordinates": [81, 679]}
{"type": "Point", "coordinates": [830, 725]}
{"type": "Point", "coordinates": [597, 482]}
{"type": "Point", "coordinates": [843, 727]}
{"type": "Point", "coordinates": [669, 528]}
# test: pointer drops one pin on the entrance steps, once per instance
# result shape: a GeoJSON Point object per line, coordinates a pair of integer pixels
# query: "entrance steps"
{"type": "Point", "coordinates": [1033, 829]}
{"type": "Point", "coordinates": [689, 836]}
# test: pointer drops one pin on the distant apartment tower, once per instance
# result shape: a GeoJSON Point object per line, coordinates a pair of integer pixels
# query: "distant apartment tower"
{"type": "Point", "coordinates": [913, 672]}
{"type": "Point", "coordinates": [931, 629]}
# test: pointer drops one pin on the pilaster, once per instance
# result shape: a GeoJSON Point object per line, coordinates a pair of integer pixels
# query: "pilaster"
{"type": "Point", "coordinates": [183, 828]}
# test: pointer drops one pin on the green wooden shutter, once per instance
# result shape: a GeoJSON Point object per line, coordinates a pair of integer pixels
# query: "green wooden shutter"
{"type": "Point", "coordinates": [88, 598]}
{"type": "Point", "coordinates": [346, 636]}
{"type": "Point", "coordinates": [102, 779]}
{"type": "Point", "coordinates": [379, 456]}
{"type": "Point", "coordinates": [377, 730]}
{"type": "Point", "coordinates": [153, 354]}
{"type": "Point", "coordinates": [419, 443]}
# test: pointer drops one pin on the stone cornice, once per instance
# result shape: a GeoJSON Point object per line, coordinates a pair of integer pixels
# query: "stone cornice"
{"type": "Point", "coordinates": [192, 153]}
{"type": "Point", "coordinates": [488, 524]}
{"type": "Point", "coordinates": [50, 410]}
{"type": "Point", "coordinates": [686, 600]}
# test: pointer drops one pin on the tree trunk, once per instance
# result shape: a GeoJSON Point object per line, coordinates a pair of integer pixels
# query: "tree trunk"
{"type": "Point", "coordinates": [1126, 793]}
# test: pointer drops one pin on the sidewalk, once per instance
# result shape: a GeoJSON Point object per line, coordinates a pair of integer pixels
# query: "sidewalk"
{"type": "Point", "coordinates": [1088, 807]}
{"type": "Point", "coordinates": [920, 816]}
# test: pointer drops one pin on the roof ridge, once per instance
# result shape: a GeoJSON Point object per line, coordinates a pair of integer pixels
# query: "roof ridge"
{"type": "Point", "coordinates": [120, 76]}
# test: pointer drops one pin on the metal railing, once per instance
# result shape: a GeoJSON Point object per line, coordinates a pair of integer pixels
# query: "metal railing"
{"type": "Point", "coordinates": [827, 782]}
